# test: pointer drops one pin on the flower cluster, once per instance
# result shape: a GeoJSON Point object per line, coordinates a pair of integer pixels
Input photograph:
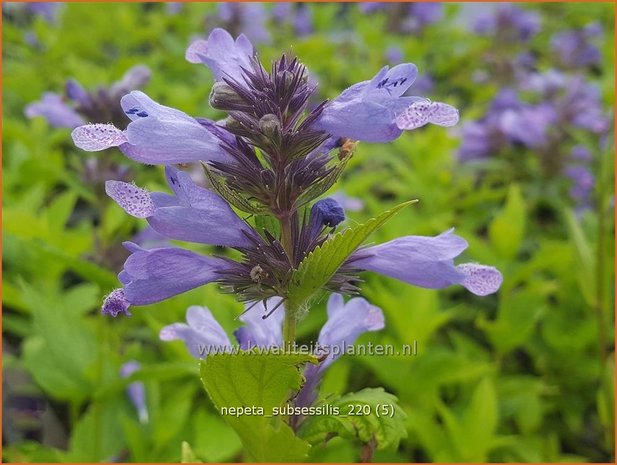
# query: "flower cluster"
{"type": "Point", "coordinates": [575, 48]}
{"type": "Point", "coordinates": [563, 103]}
{"type": "Point", "coordinates": [271, 158]}
{"type": "Point", "coordinates": [508, 23]}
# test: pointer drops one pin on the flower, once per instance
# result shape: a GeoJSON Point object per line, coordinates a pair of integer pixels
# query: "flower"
{"type": "Point", "coordinates": [428, 262]}
{"type": "Point", "coordinates": [378, 111]}
{"type": "Point", "coordinates": [55, 110]}
{"type": "Point", "coordinates": [201, 333]}
{"type": "Point", "coordinates": [574, 47]}
{"type": "Point", "coordinates": [224, 56]}
{"type": "Point", "coordinates": [193, 214]}
{"type": "Point", "coordinates": [509, 22]}
{"type": "Point", "coordinates": [248, 18]}
{"type": "Point", "coordinates": [136, 390]}
{"type": "Point", "coordinates": [346, 322]}
{"type": "Point", "coordinates": [153, 275]}
{"type": "Point", "coordinates": [157, 134]}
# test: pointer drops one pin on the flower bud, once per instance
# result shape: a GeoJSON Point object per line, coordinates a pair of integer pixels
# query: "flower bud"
{"type": "Point", "coordinates": [270, 126]}
{"type": "Point", "coordinates": [223, 97]}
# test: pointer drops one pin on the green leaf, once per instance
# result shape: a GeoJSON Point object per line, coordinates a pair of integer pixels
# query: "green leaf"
{"type": "Point", "coordinates": [507, 230]}
{"type": "Point", "coordinates": [586, 263]}
{"type": "Point", "coordinates": [517, 317]}
{"type": "Point", "coordinates": [260, 382]}
{"type": "Point", "coordinates": [370, 414]}
{"type": "Point", "coordinates": [320, 265]}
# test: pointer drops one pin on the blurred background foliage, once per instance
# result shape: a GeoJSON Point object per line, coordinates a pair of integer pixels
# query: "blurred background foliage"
{"type": "Point", "coordinates": [526, 375]}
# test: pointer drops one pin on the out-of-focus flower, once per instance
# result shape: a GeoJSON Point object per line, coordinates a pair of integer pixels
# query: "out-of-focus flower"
{"type": "Point", "coordinates": [136, 390]}
{"type": "Point", "coordinates": [394, 54]}
{"type": "Point", "coordinates": [55, 110]}
{"type": "Point", "coordinates": [248, 18]}
{"type": "Point", "coordinates": [352, 204]}
{"type": "Point", "coordinates": [406, 18]}
{"type": "Point", "coordinates": [79, 105]}
{"type": "Point", "coordinates": [509, 23]}
{"type": "Point", "coordinates": [574, 47]}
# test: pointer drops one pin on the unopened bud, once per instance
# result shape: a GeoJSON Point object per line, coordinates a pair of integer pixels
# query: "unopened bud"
{"type": "Point", "coordinates": [269, 125]}
{"type": "Point", "coordinates": [223, 97]}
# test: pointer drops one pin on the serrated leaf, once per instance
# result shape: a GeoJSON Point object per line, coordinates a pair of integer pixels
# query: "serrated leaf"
{"type": "Point", "coordinates": [231, 196]}
{"type": "Point", "coordinates": [258, 381]}
{"type": "Point", "coordinates": [370, 414]}
{"type": "Point", "coordinates": [319, 266]}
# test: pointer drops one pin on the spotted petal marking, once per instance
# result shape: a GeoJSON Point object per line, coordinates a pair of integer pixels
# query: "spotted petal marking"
{"type": "Point", "coordinates": [95, 137]}
{"type": "Point", "coordinates": [480, 279]}
{"type": "Point", "coordinates": [420, 113]}
{"type": "Point", "coordinates": [132, 199]}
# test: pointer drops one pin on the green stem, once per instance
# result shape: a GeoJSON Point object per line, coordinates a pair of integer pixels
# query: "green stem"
{"type": "Point", "coordinates": [289, 325]}
{"type": "Point", "coordinates": [601, 260]}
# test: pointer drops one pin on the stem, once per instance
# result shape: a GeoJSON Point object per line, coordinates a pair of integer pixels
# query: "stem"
{"type": "Point", "coordinates": [286, 238]}
{"type": "Point", "coordinates": [289, 325]}
{"type": "Point", "coordinates": [601, 261]}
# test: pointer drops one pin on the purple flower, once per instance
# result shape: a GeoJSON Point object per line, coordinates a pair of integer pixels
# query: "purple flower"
{"type": "Point", "coordinates": [150, 276]}
{"type": "Point", "coordinates": [574, 47]}
{"type": "Point", "coordinates": [377, 110]}
{"type": "Point", "coordinates": [346, 322]}
{"type": "Point", "coordinates": [148, 238]}
{"type": "Point", "coordinates": [56, 111]}
{"type": "Point", "coordinates": [248, 18]}
{"type": "Point", "coordinates": [509, 22]}
{"type": "Point", "coordinates": [428, 262]}
{"type": "Point", "coordinates": [193, 214]}
{"type": "Point", "coordinates": [136, 390]}
{"type": "Point", "coordinates": [157, 134]}
{"type": "Point", "coordinates": [371, 7]}
{"type": "Point", "coordinates": [529, 124]}
{"type": "Point", "coordinates": [262, 327]}
{"type": "Point", "coordinates": [201, 335]}
{"type": "Point", "coordinates": [421, 14]}
{"type": "Point", "coordinates": [303, 20]}
{"type": "Point", "coordinates": [222, 55]}
{"type": "Point", "coordinates": [352, 204]}
{"type": "Point", "coordinates": [394, 54]}
{"type": "Point", "coordinates": [46, 10]}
